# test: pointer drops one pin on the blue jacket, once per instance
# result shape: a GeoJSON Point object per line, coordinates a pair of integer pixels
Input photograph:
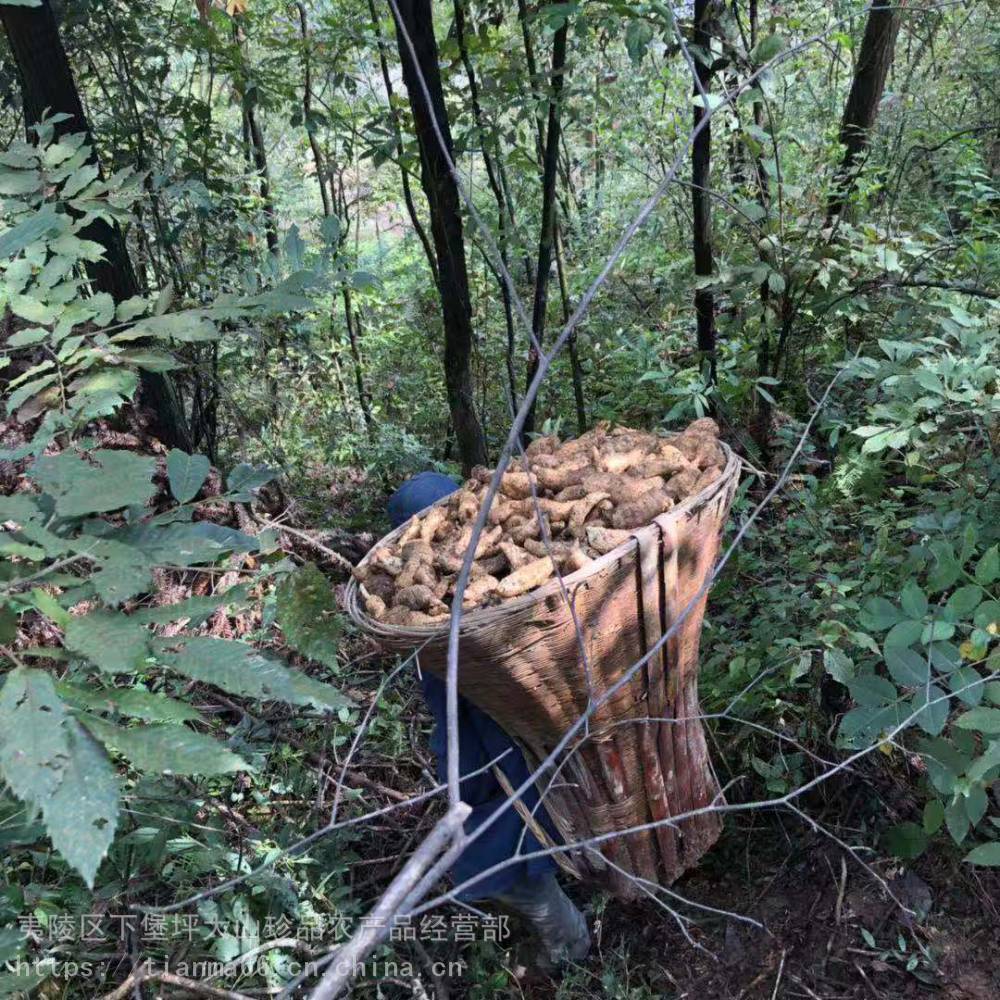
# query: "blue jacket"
{"type": "Point", "coordinates": [480, 741]}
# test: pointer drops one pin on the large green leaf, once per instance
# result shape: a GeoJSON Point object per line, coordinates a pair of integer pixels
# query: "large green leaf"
{"type": "Point", "coordinates": [112, 641]}
{"type": "Point", "coordinates": [982, 719]}
{"type": "Point", "coordinates": [308, 616]}
{"type": "Point", "coordinates": [246, 479]}
{"type": "Point", "coordinates": [985, 854]}
{"type": "Point", "coordinates": [82, 814]}
{"type": "Point", "coordinates": [240, 669]}
{"type": "Point", "coordinates": [187, 473]}
{"type": "Point", "coordinates": [132, 702]}
{"type": "Point", "coordinates": [34, 748]}
{"type": "Point", "coordinates": [196, 609]}
{"type": "Point", "coordinates": [104, 480]}
{"type": "Point", "coordinates": [22, 235]}
{"type": "Point", "coordinates": [187, 544]}
{"type": "Point", "coordinates": [167, 748]}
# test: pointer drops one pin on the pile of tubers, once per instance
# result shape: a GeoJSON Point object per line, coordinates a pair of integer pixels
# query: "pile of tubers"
{"type": "Point", "coordinates": [582, 499]}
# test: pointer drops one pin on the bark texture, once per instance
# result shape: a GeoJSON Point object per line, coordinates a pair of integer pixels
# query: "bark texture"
{"type": "Point", "coordinates": [546, 239]}
{"type": "Point", "coordinates": [701, 201]}
{"type": "Point", "coordinates": [861, 110]}
{"type": "Point", "coordinates": [431, 124]}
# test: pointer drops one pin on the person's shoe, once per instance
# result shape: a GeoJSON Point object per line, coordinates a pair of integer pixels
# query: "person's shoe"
{"type": "Point", "coordinates": [560, 926]}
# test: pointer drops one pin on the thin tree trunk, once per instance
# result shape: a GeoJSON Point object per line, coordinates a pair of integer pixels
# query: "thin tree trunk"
{"type": "Point", "coordinates": [47, 84]}
{"type": "Point", "coordinates": [430, 121]}
{"type": "Point", "coordinates": [259, 154]}
{"type": "Point", "coordinates": [328, 198]}
{"type": "Point", "coordinates": [701, 202]}
{"type": "Point", "coordinates": [761, 421]}
{"type": "Point", "coordinates": [498, 195]}
{"type": "Point", "coordinates": [877, 49]}
{"type": "Point", "coordinates": [576, 371]}
{"type": "Point", "coordinates": [404, 175]}
{"type": "Point", "coordinates": [307, 96]}
{"type": "Point", "coordinates": [353, 334]}
{"type": "Point", "coordinates": [546, 239]}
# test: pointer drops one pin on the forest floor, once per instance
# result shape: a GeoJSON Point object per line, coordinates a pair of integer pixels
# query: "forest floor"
{"type": "Point", "coordinates": [830, 930]}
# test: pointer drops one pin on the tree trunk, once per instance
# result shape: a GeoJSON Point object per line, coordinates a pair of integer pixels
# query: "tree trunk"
{"type": "Point", "coordinates": [877, 48]}
{"type": "Point", "coordinates": [47, 84]}
{"type": "Point", "coordinates": [546, 239]}
{"type": "Point", "coordinates": [498, 195]}
{"type": "Point", "coordinates": [576, 369]}
{"type": "Point", "coordinates": [352, 319]}
{"type": "Point", "coordinates": [307, 96]}
{"type": "Point", "coordinates": [404, 174]}
{"type": "Point", "coordinates": [431, 121]}
{"type": "Point", "coordinates": [701, 202]}
{"type": "Point", "coordinates": [259, 154]}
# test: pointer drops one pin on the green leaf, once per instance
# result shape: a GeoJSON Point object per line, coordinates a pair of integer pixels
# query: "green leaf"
{"type": "Point", "coordinates": [34, 748]}
{"type": "Point", "coordinates": [196, 609]}
{"type": "Point", "coordinates": [168, 748]}
{"type": "Point", "coordinates": [986, 614]}
{"type": "Point", "coordinates": [187, 544]}
{"type": "Point", "coordinates": [982, 720]}
{"type": "Point", "coordinates": [15, 239]}
{"type": "Point", "coordinates": [132, 702]}
{"type": "Point", "coordinates": [105, 480]}
{"type": "Point", "coordinates": [976, 804]}
{"type": "Point", "coordinates": [245, 479]}
{"type": "Point", "coordinates": [988, 568]}
{"type": "Point", "coordinates": [8, 625]}
{"type": "Point", "coordinates": [937, 631]}
{"type": "Point", "coordinates": [904, 634]}
{"type": "Point", "coordinates": [878, 614]}
{"type": "Point", "coordinates": [905, 840]}
{"type": "Point", "coordinates": [308, 616]}
{"type": "Point", "coordinates": [82, 815]}
{"type": "Point", "coordinates": [933, 816]}
{"type": "Point", "coordinates": [186, 327]}
{"type": "Point", "coordinates": [932, 705]}
{"type": "Point", "coordinates": [947, 568]}
{"type": "Point", "coordinates": [187, 474]}
{"type": "Point", "coordinates": [130, 308]}
{"type": "Point", "coordinates": [906, 666]}
{"type": "Point", "coordinates": [987, 855]}
{"type": "Point", "coordinates": [957, 820]}
{"type": "Point", "coordinates": [766, 49]}
{"type": "Point", "coordinates": [964, 601]}
{"type": "Point", "coordinates": [872, 691]}
{"type": "Point", "coordinates": [838, 665]}
{"type": "Point", "coordinates": [120, 579]}
{"type": "Point", "coordinates": [981, 767]}
{"type": "Point", "coordinates": [79, 179]}
{"type": "Point", "coordinates": [967, 684]}
{"type": "Point", "coordinates": [113, 642]}
{"type": "Point", "coordinates": [15, 182]}
{"type": "Point", "coordinates": [913, 600]}
{"type": "Point", "coordinates": [944, 656]}
{"type": "Point", "coordinates": [50, 607]}
{"type": "Point", "coordinates": [240, 669]}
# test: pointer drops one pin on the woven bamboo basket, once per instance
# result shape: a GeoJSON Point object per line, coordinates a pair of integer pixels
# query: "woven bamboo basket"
{"type": "Point", "coordinates": [642, 758]}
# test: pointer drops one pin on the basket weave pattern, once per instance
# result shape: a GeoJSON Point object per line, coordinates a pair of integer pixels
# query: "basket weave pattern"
{"type": "Point", "coordinates": [521, 663]}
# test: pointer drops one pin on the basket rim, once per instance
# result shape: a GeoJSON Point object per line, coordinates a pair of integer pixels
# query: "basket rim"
{"type": "Point", "coordinates": [471, 620]}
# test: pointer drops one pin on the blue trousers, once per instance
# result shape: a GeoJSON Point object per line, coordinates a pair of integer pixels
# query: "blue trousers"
{"type": "Point", "coordinates": [481, 740]}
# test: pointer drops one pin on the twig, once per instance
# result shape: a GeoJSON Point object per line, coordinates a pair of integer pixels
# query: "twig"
{"type": "Point", "coordinates": [446, 833]}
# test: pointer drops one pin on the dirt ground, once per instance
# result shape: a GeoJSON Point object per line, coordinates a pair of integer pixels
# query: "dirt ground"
{"type": "Point", "coordinates": [829, 929]}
